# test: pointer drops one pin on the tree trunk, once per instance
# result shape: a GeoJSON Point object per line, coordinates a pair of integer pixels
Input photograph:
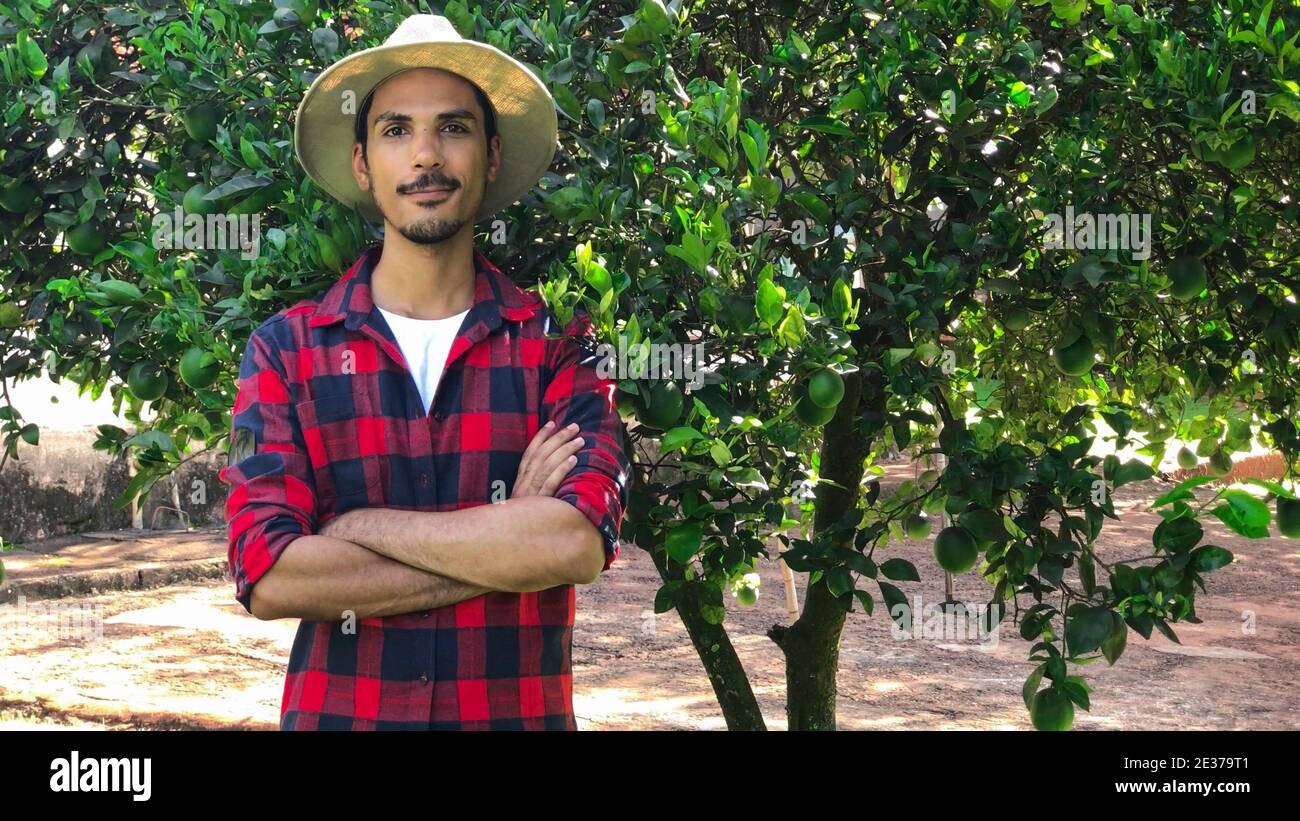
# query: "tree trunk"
{"type": "Point", "coordinates": [712, 643]}
{"type": "Point", "coordinates": [812, 644]}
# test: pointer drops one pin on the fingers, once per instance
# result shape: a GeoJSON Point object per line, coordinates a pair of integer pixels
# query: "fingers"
{"type": "Point", "coordinates": [540, 437]}
{"type": "Point", "coordinates": [545, 454]}
{"type": "Point", "coordinates": [560, 462]}
{"type": "Point", "coordinates": [547, 441]}
{"type": "Point", "coordinates": [553, 481]}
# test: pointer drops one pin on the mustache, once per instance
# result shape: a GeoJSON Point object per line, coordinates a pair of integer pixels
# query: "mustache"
{"type": "Point", "coordinates": [425, 183]}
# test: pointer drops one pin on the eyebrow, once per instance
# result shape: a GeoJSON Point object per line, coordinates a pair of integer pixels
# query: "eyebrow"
{"type": "Point", "coordinates": [398, 117]}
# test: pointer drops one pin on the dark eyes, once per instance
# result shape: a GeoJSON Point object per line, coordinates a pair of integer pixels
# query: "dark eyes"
{"type": "Point", "coordinates": [388, 131]}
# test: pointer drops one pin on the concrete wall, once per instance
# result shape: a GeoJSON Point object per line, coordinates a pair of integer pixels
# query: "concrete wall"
{"type": "Point", "coordinates": [64, 486]}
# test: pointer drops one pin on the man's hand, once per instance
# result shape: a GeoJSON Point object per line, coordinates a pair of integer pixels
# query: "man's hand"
{"type": "Point", "coordinates": [547, 460]}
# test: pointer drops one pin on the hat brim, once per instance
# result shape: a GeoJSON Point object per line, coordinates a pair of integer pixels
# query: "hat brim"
{"type": "Point", "coordinates": [525, 116]}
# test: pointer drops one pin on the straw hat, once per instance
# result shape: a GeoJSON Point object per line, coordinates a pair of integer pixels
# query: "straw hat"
{"type": "Point", "coordinates": [525, 110]}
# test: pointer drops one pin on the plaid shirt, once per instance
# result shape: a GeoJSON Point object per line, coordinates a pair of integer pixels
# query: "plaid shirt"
{"type": "Point", "coordinates": [328, 418]}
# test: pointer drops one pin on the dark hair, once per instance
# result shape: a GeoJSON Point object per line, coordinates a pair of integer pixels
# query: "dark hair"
{"type": "Point", "coordinates": [361, 130]}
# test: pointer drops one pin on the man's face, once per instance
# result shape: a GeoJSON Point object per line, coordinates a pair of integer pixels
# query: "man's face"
{"type": "Point", "coordinates": [426, 162]}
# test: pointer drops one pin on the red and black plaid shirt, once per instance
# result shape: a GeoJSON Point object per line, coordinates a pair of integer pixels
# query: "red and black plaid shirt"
{"type": "Point", "coordinates": [328, 418]}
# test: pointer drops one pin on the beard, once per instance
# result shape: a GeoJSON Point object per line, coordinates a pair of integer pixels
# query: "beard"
{"type": "Point", "coordinates": [431, 231]}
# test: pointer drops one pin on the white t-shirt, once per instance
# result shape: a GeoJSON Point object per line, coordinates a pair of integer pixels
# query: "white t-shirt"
{"type": "Point", "coordinates": [425, 343]}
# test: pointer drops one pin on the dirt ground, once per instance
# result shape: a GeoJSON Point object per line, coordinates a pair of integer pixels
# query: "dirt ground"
{"type": "Point", "coordinates": [188, 656]}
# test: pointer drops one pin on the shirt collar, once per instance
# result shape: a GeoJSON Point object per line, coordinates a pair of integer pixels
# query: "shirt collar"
{"type": "Point", "coordinates": [496, 296]}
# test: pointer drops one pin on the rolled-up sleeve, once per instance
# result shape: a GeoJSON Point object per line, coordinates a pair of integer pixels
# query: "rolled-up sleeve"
{"type": "Point", "coordinates": [272, 497]}
{"type": "Point", "coordinates": [597, 485]}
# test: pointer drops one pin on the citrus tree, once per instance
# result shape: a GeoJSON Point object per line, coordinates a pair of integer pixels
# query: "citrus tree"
{"type": "Point", "coordinates": [1001, 233]}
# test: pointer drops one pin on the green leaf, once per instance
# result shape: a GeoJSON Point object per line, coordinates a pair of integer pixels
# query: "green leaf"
{"type": "Point", "coordinates": [596, 112]}
{"type": "Point", "coordinates": [751, 152]}
{"type": "Point", "coordinates": [852, 100]}
{"type": "Point", "coordinates": [1234, 516]}
{"type": "Point", "coordinates": [326, 43]}
{"type": "Point", "coordinates": [1113, 647]}
{"type": "Point", "coordinates": [896, 355]}
{"type": "Point", "coordinates": [814, 205]}
{"type": "Point", "coordinates": [1086, 628]}
{"type": "Point", "coordinates": [983, 524]}
{"type": "Point", "coordinates": [1207, 558]}
{"type": "Point", "coordinates": [566, 203]}
{"type": "Point", "coordinates": [1045, 98]}
{"type": "Point", "coordinates": [747, 477]}
{"type": "Point", "coordinates": [1181, 490]}
{"type": "Point", "coordinates": [238, 185]}
{"type": "Point", "coordinates": [566, 102]}
{"type": "Point", "coordinates": [32, 55]}
{"type": "Point", "coordinates": [826, 125]}
{"type": "Point", "coordinates": [666, 598]}
{"type": "Point", "coordinates": [900, 570]}
{"type": "Point", "coordinates": [1273, 487]}
{"type": "Point", "coordinates": [1031, 684]}
{"type": "Point", "coordinates": [1165, 629]}
{"type": "Point", "coordinates": [1133, 471]}
{"type": "Point", "coordinates": [839, 582]}
{"type": "Point", "coordinates": [842, 300]}
{"type": "Point", "coordinates": [791, 331]}
{"type": "Point", "coordinates": [1253, 511]}
{"type": "Point", "coordinates": [676, 437]}
{"type": "Point", "coordinates": [137, 252]}
{"type": "Point", "coordinates": [769, 304]}
{"type": "Point", "coordinates": [1077, 689]}
{"type": "Point", "coordinates": [868, 604]}
{"type": "Point", "coordinates": [458, 14]}
{"type": "Point", "coordinates": [1177, 535]}
{"type": "Point", "coordinates": [1069, 11]}
{"type": "Point", "coordinates": [683, 542]}
{"type": "Point", "coordinates": [720, 452]}
{"type": "Point", "coordinates": [896, 605]}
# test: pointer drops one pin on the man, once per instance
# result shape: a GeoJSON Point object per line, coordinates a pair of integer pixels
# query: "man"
{"type": "Point", "coordinates": [422, 467]}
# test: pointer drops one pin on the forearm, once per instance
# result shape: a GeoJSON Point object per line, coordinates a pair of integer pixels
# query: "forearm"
{"type": "Point", "coordinates": [522, 544]}
{"type": "Point", "coordinates": [319, 577]}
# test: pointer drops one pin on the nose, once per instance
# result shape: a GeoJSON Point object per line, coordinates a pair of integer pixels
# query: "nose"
{"type": "Point", "coordinates": [428, 149]}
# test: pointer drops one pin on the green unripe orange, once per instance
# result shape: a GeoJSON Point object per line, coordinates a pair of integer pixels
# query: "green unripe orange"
{"type": "Point", "coordinates": [1051, 710]}
{"type": "Point", "coordinates": [1016, 319]}
{"type": "Point", "coordinates": [918, 526]}
{"type": "Point", "coordinates": [660, 405]}
{"type": "Point", "coordinates": [1075, 359]}
{"type": "Point", "coordinates": [1220, 463]}
{"type": "Point", "coordinates": [1186, 277]}
{"type": "Point", "coordinates": [87, 238]}
{"type": "Point", "coordinates": [810, 413]}
{"type": "Point", "coordinates": [955, 549]}
{"type": "Point", "coordinates": [198, 368]}
{"type": "Point", "coordinates": [201, 122]}
{"type": "Point", "coordinates": [1239, 155]}
{"type": "Point", "coordinates": [826, 388]}
{"type": "Point", "coordinates": [147, 381]}
{"type": "Point", "coordinates": [193, 203]}
{"type": "Point", "coordinates": [17, 197]}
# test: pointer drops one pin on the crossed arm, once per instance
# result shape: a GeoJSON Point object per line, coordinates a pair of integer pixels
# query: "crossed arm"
{"type": "Point", "coordinates": [559, 526]}
{"type": "Point", "coordinates": [380, 562]}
